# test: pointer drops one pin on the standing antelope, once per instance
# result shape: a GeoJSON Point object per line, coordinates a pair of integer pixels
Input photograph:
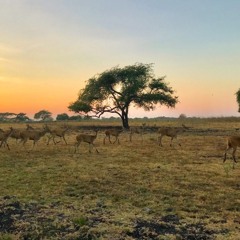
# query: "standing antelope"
{"type": "Point", "coordinates": [86, 138]}
{"type": "Point", "coordinates": [136, 130]}
{"type": "Point", "coordinates": [4, 135]}
{"type": "Point", "coordinates": [232, 143]}
{"type": "Point", "coordinates": [112, 132]}
{"type": "Point", "coordinates": [170, 132]}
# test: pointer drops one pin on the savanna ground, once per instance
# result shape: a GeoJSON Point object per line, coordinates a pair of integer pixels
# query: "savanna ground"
{"type": "Point", "coordinates": [131, 190]}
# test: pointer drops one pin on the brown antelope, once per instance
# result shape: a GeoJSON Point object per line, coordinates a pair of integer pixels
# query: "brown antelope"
{"type": "Point", "coordinates": [17, 132]}
{"type": "Point", "coordinates": [4, 135]}
{"type": "Point", "coordinates": [112, 132]}
{"type": "Point", "coordinates": [57, 132]}
{"type": "Point", "coordinates": [170, 132]}
{"type": "Point", "coordinates": [33, 135]}
{"type": "Point", "coordinates": [232, 143]}
{"type": "Point", "coordinates": [86, 138]}
{"type": "Point", "coordinates": [136, 130]}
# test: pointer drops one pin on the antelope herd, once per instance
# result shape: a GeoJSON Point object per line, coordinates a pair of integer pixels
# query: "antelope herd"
{"type": "Point", "coordinates": [32, 134]}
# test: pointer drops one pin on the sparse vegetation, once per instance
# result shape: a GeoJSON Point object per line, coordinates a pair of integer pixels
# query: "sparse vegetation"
{"type": "Point", "coordinates": [130, 191]}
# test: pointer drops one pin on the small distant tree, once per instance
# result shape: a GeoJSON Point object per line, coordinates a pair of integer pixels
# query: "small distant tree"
{"type": "Point", "coordinates": [6, 116]}
{"type": "Point", "coordinates": [115, 90]}
{"type": "Point", "coordinates": [43, 115]}
{"type": "Point", "coordinates": [238, 99]}
{"type": "Point", "coordinates": [182, 116]}
{"type": "Point", "coordinates": [62, 117]}
{"type": "Point", "coordinates": [75, 118]}
{"type": "Point", "coordinates": [22, 117]}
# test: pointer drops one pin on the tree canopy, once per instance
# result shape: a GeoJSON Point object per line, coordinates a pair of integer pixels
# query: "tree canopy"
{"type": "Point", "coordinates": [15, 117]}
{"type": "Point", "coordinates": [62, 117]}
{"type": "Point", "coordinates": [43, 115]}
{"type": "Point", "coordinates": [115, 90]}
{"type": "Point", "coordinates": [22, 117]}
{"type": "Point", "coordinates": [238, 99]}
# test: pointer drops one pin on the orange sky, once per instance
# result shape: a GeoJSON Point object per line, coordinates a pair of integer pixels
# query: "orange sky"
{"type": "Point", "coordinates": [48, 49]}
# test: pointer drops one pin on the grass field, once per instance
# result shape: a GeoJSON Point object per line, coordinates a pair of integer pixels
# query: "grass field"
{"type": "Point", "coordinates": [131, 190]}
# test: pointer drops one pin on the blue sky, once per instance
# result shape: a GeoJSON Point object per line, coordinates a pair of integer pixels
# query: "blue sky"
{"type": "Point", "coordinates": [49, 48]}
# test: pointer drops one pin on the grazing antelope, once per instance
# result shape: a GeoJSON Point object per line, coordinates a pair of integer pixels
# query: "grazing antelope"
{"type": "Point", "coordinates": [232, 143]}
{"type": "Point", "coordinates": [86, 138]}
{"type": "Point", "coordinates": [170, 132]}
{"type": "Point", "coordinates": [112, 132]}
{"type": "Point", "coordinates": [4, 135]}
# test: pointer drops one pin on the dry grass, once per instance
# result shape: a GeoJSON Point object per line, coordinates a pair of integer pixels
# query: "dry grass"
{"type": "Point", "coordinates": [133, 190]}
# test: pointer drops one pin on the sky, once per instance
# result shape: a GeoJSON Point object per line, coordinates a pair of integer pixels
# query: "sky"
{"type": "Point", "coordinates": [50, 48]}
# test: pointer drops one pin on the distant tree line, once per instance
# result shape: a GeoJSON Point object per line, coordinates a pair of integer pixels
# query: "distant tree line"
{"type": "Point", "coordinates": [14, 117]}
{"type": "Point", "coordinates": [84, 105]}
{"type": "Point", "coordinates": [43, 115]}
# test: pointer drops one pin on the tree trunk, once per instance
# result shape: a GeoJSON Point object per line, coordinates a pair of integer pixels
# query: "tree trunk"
{"type": "Point", "coordinates": [124, 118]}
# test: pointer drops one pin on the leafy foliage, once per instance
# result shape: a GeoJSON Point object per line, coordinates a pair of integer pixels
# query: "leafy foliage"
{"type": "Point", "coordinates": [43, 115]}
{"type": "Point", "coordinates": [114, 90]}
{"type": "Point", "coordinates": [238, 99]}
{"type": "Point", "coordinates": [6, 116]}
{"type": "Point", "coordinates": [62, 117]}
{"type": "Point", "coordinates": [22, 117]}
{"type": "Point", "coordinates": [15, 117]}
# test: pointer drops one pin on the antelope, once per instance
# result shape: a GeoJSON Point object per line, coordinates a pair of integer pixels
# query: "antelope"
{"type": "Point", "coordinates": [33, 135]}
{"type": "Point", "coordinates": [16, 134]}
{"type": "Point", "coordinates": [58, 132]}
{"type": "Point", "coordinates": [112, 132]}
{"type": "Point", "coordinates": [137, 130]}
{"type": "Point", "coordinates": [86, 138]}
{"type": "Point", "coordinates": [232, 143]}
{"type": "Point", "coordinates": [170, 132]}
{"type": "Point", "coordinates": [4, 135]}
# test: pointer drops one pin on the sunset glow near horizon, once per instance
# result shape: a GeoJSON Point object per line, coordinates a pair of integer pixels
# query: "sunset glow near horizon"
{"type": "Point", "coordinates": [49, 49]}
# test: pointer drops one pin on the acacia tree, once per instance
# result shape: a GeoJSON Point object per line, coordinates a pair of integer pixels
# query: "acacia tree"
{"type": "Point", "coordinates": [238, 99]}
{"type": "Point", "coordinates": [6, 116]}
{"type": "Point", "coordinates": [43, 115]}
{"type": "Point", "coordinates": [22, 117]}
{"type": "Point", "coordinates": [115, 90]}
